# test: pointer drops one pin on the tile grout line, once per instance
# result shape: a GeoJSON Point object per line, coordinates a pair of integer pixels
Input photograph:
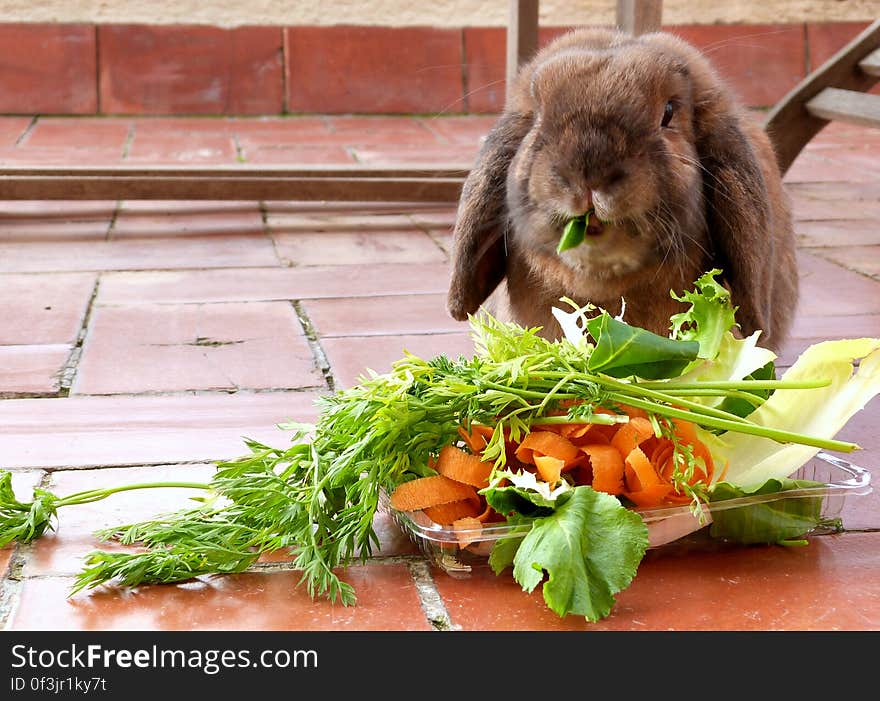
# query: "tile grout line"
{"type": "Point", "coordinates": [27, 130]}
{"type": "Point", "coordinates": [318, 354]}
{"type": "Point", "coordinates": [68, 370]}
{"type": "Point", "coordinates": [13, 581]}
{"type": "Point", "coordinates": [429, 597]}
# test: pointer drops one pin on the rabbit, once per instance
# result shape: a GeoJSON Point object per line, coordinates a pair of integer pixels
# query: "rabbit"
{"type": "Point", "coordinates": [679, 175]}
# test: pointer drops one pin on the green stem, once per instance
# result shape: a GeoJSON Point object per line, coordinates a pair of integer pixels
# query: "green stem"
{"type": "Point", "coordinates": [601, 419]}
{"type": "Point", "coordinates": [752, 399]}
{"type": "Point", "coordinates": [696, 407]}
{"type": "Point", "coordinates": [737, 384]}
{"type": "Point", "coordinates": [97, 494]}
{"type": "Point", "coordinates": [740, 426]}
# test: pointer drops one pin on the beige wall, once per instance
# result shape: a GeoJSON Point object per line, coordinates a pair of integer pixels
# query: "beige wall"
{"type": "Point", "coordinates": [228, 13]}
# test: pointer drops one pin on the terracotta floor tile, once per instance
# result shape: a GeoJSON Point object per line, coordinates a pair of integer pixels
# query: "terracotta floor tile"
{"type": "Point", "coordinates": [288, 221]}
{"type": "Point", "coordinates": [60, 156]}
{"type": "Point", "coordinates": [34, 220]}
{"type": "Point", "coordinates": [139, 253]}
{"type": "Point", "coordinates": [32, 369]}
{"type": "Point", "coordinates": [355, 248]}
{"type": "Point", "coordinates": [468, 130]}
{"type": "Point", "coordinates": [43, 309]}
{"type": "Point", "coordinates": [830, 289]}
{"type": "Point", "coordinates": [62, 552]}
{"type": "Point", "coordinates": [12, 211]}
{"type": "Point", "coordinates": [297, 155]}
{"type": "Point", "coordinates": [376, 130]}
{"type": "Point", "coordinates": [832, 584]}
{"type": "Point", "coordinates": [829, 327]}
{"type": "Point", "coordinates": [815, 167]}
{"type": "Point", "coordinates": [174, 147]}
{"type": "Point", "coordinates": [382, 316]}
{"type": "Point", "coordinates": [78, 132]}
{"type": "Point", "coordinates": [351, 357]}
{"type": "Point", "coordinates": [266, 284]}
{"type": "Point", "coordinates": [164, 348]}
{"type": "Point", "coordinates": [837, 233]}
{"type": "Point", "coordinates": [158, 218]}
{"type": "Point", "coordinates": [863, 259]}
{"type": "Point", "coordinates": [295, 130]}
{"type": "Point", "coordinates": [455, 157]}
{"type": "Point", "coordinates": [387, 600]}
{"type": "Point", "coordinates": [847, 208]}
{"type": "Point", "coordinates": [12, 129]}
{"type": "Point", "coordinates": [145, 430]}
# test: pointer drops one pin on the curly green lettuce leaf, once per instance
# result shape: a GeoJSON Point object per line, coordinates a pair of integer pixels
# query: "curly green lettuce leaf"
{"type": "Point", "coordinates": [852, 368]}
{"type": "Point", "coordinates": [709, 317]}
{"type": "Point", "coordinates": [585, 552]}
{"type": "Point", "coordinates": [778, 520]}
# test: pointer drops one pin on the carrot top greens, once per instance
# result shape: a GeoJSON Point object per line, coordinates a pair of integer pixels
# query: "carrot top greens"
{"type": "Point", "coordinates": [318, 496]}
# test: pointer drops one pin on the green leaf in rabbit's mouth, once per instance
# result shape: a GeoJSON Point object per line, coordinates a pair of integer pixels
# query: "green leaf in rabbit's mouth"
{"type": "Point", "coordinates": [578, 229]}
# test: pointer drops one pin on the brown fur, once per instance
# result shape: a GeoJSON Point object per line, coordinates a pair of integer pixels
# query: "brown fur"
{"type": "Point", "coordinates": [582, 125]}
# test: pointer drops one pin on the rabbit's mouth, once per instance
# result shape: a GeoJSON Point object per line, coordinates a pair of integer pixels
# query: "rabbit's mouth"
{"type": "Point", "coordinates": [595, 226]}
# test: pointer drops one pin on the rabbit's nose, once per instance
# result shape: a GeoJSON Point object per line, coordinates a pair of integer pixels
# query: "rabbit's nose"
{"type": "Point", "coordinates": [585, 203]}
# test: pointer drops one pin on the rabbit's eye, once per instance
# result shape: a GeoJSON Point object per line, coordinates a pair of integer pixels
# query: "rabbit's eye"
{"type": "Point", "coordinates": [667, 114]}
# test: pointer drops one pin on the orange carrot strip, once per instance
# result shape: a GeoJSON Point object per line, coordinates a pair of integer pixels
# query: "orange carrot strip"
{"type": "Point", "coordinates": [633, 412]}
{"type": "Point", "coordinates": [549, 468]}
{"type": "Point", "coordinates": [632, 434]}
{"type": "Point", "coordinates": [651, 496]}
{"type": "Point", "coordinates": [607, 465]}
{"type": "Point", "coordinates": [639, 472]}
{"type": "Point", "coordinates": [423, 492]}
{"type": "Point", "coordinates": [463, 467]}
{"type": "Point", "coordinates": [547, 443]}
{"type": "Point", "coordinates": [447, 513]}
{"type": "Point", "coordinates": [467, 530]}
{"type": "Point", "coordinates": [475, 442]}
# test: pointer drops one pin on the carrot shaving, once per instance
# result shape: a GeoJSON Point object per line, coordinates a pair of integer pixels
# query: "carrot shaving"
{"type": "Point", "coordinates": [477, 439]}
{"type": "Point", "coordinates": [652, 496]}
{"type": "Point", "coordinates": [632, 434]}
{"type": "Point", "coordinates": [467, 530]}
{"type": "Point", "coordinates": [607, 466]}
{"type": "Point", "coordinates": [547, 443]}
{"type": "Point", "coordinates": [452, 511]}
{"type": "Point", "coordinates": [463, 467]}
{"type": "Point", "coordinates": [424, 492]}
{"type": "Point", "coordinates": [639, 471]}
{"type": "Point", "coordinates": [549, 468]}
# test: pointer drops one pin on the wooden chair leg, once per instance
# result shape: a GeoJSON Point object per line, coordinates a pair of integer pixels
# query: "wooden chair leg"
{"type": "Point", "coordinates": [522, 34]}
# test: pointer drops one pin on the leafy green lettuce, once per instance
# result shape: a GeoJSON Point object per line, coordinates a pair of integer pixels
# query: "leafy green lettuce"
{"type": "Point", "coordinates": [708, 319]}
{"type": "Point", "coordinates": [586, 551]}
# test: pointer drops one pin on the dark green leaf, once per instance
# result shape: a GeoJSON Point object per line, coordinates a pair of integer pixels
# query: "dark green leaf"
{"type": "Point", "coordinates": [573, 234]}
{"type": "Point", "coordinates": [623, 350]}
{"type": "Point", "coordinates": [765, 522]}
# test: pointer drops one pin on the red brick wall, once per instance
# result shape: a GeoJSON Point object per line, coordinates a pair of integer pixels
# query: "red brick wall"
{"type": "Point", "coordinates": [180, 69]}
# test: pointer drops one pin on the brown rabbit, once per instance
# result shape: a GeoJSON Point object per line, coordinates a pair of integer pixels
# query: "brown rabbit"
{"type": "Point", "coordinates": [680, 177]}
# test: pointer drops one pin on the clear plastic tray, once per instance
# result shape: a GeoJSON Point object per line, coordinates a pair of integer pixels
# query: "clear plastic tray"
{"type": "Point", "coordinates": [666, 526]}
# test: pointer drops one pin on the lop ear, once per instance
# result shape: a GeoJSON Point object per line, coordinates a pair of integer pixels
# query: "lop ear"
{"type": "Point", "coordinates": [478, 245]}
{"type": "Point", "coordinates": [740, 195]}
